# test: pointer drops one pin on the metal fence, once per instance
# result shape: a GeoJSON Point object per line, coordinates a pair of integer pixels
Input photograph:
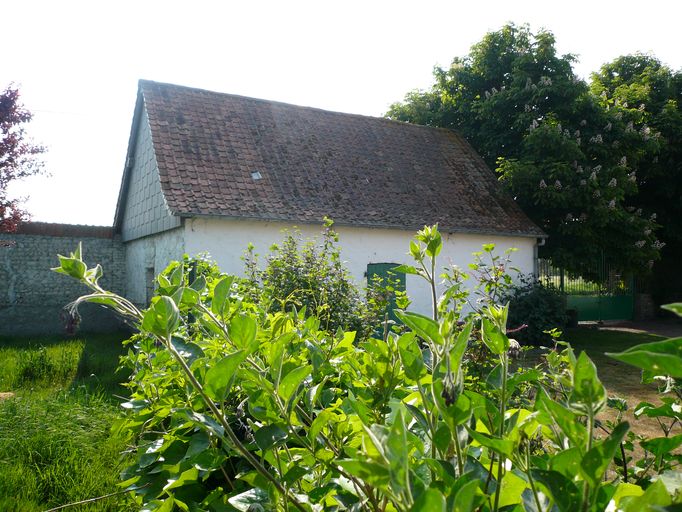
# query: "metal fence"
{"type": "Point", "coordinates": [607, 295]}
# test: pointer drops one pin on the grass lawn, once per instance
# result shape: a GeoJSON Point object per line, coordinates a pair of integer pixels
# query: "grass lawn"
{"type": "Point", "coordinates": [620, 379]}
{"type": "Point", "coordinates": [58, 404]}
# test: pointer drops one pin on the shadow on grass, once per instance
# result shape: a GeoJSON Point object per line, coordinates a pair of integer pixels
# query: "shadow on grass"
{"type": "Point", "coordinates": [88, 362]}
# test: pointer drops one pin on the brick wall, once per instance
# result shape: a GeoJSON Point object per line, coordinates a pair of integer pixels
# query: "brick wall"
{"type": "Point", "coordinates": [32, 297]}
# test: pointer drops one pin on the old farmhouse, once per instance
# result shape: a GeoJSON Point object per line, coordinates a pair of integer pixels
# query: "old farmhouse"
{"type": "Point", "coordinates": [212, 172]}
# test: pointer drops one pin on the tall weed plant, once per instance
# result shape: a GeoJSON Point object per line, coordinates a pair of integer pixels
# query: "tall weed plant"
{"type": "Point", "coordinates": [234, 406]}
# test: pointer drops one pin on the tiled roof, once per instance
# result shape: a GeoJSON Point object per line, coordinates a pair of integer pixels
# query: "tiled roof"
{"type": "Point", "coordinates": [311, 163]}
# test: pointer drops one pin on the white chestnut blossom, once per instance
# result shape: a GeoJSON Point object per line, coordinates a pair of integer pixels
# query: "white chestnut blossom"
{"type": "Point", "coordinates": [596, 194]}
{"type": "Point", "coordinates": [526, 107]}
{"type": "Point", "coordinates": [583, 183]}
{"type": "Point", "coordinates": [612, 204]}
{"type": "Point", "coordinates": [576, 133]}
{"type": "Point", "coordinates": [593, 176]}
{"type": "Point", "coordinates": [583, 123]}
{"type": "Point", "coordinates": [543, 184]}
{"type": "Point", "coordinates": [640, 243]}
{"type": "Point", "coordinates": [624, 161]}
{"type": "Point", "coordinates": [613, 183]}
{"type": "Point", "coordinates": [597, 168]}
{"type": "Point", "coordinates": [557, 185]}
{"type": "Point", "coordinates": [647, 231]}
{"type": "Point", "coordinates": [607, 128]}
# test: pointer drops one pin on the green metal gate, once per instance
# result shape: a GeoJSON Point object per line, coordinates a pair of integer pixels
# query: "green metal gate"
{"type": "Point", "coordinates": [610, 295]}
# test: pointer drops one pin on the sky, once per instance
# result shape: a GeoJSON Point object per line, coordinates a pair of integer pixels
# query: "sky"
{"type": "Point", "coordinates": [77, 64]}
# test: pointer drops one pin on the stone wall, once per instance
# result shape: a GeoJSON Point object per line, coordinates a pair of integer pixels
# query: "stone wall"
{"type": "Point", "coordinates": [32, 297]}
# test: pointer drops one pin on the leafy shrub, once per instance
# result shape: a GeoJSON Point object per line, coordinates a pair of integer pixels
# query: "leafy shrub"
{"type": "Point", "coordinates": [236, 407]}
{"type": "Point", "coordinates": [302, 274]}
{"type": "Point", "coordinates": [540, 307]}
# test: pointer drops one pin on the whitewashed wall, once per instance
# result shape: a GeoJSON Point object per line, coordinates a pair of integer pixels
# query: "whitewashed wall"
{"type": "Point", "coordinates": [225, 240]}
{"type": "Point", "coordinates": [151, 252]}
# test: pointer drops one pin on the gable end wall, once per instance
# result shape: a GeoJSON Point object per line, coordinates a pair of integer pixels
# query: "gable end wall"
{"type": "Point", "coordinates": [145, 212]}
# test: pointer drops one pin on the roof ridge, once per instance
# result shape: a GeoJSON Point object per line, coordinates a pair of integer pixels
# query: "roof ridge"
{"type": "Point", "coordinates": [296, 106]}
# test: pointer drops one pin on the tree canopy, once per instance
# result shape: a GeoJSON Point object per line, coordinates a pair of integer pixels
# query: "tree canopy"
{"type": "Point", "coordinates": [573, 157]}
{"type": "Point", "coordinates": [18, 156]}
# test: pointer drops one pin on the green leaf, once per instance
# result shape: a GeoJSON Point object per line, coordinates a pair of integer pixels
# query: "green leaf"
{"type": "Point", "coordinates": [660, 446]}
{"type": "Point", "coordinates": [185, 478]}
{"type": "Point", "coordinates": [162, 318]}
{"type": "Point", "coordinates": [219, 377]}
{"type": "Point", "coordinates": [465, 498]}
{"type": "Point", "coordinates": [659, 357]}
{"type": "Point", "coordinates": [496, 341]}
{"type": "Point", "coordinates": [504, 447]}
{"type": "Point", "coordinates": [595, 462]}
{"type": "Point", "coordinates": [221, 295]}
{"type": "Point", "coordinates": [72, 267]}
{"type": "Point", "coordinates": [397, 452]}
{"type": "Point", "coordinates": [370, 472]}
{"type": "Point", "coordinates": [289, 384]}
{"type": "Point", "coordinates": [411, 356]}
{"type": "Point", "coordinates": [268, 436]}
{"type": "Point", "coordinates": [588, 393]}
{"type": "Point", "coordinates": [406, 269]}
{"type": "Point", "coordinates": [564, 418]}
{"type": "Point", "coordinates": [242, 331]}
{"type": "Point", "coordinates": [424, 326]}
{"type": "Point", "coordinates": [675, 308]}
{"type": "Point", "coordinates": [563, 491]}
{"type": "Point", "coordinates": [656, 495]}
{"type": "Point", "coordinates": [431, 500]}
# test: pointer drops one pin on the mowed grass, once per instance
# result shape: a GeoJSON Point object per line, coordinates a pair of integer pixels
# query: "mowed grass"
{"type": "Point", "coordinates": [56, 414]}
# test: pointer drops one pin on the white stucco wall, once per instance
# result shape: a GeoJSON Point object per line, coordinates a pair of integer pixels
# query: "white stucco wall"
{"type": "Point", "coordinates": [225, 240]}
{"type": "Point", "coordinates": [151, 252]}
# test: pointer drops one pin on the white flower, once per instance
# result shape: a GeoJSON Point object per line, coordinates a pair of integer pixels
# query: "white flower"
{"type": "Point", "coordinates": [629, 127]}
{"type": "Point", "coordinates": [618, 115]}
{"type": "Point", "coordinates": [543, 184]}
{"type": "Point", "coordinates": [612, 204]}
{"type": "Point", "coordinates": [526, 107]}
{"type": "Point", "coordinates": [625, 104]}
{"type": "Point", "coordinates": [641, 107]}
{"type": "Point", "coordinates": [597, 168]}
{"type": "Point", "coordinates": [653, 216]}
{"type": "Point", "coordinates": [624, 161]}
{"type": "Point", "coordinates": [598, 139]}
{"type": "Point", "coordinates": [569, 216]}
{"type": "Point", "coordinates": [647, 231]}
{"type": "Point", "coordinates": [577, 141]}
{"type": "Point", "coordinates": [579, 170]}
{"type": "Point", "coordinates": [616, 143]}
{"type": "Point", "coordinates": [596, 194]}
{"type": "Point", "coordinates": [640, 243]}
{"type": "Point", "coordinates": [567, 134]}
{"type": "Point", "coordinates": [533, 125]}
{"type": "Point", "coordinates": [593, 176]}
{"type": "Point", "coordinates": [632, 177]}
{"type": "Point", "coordinates": [493, 90]}
{"type": "Point", "coordinates": [613, 182]}
{"type": "Point", "coordinates": [559, 128]}
{"type": "Point", "coordinates": [638, 211]}
{"type": "Point", "coordinates": [576, 133]}
{"type": "Point", "coordinates": [583, 123]}
{"type": "Point", "coordinates": [529, 82]}
{"type": "Point", "coordinates": [583, 183]}
{"type": "Point", "coordinates": [557, 185]}
{"type": "Point", "coordinates": [658, 245]}
{"type": "Point", "coordinates": [487, 95]}
{"type": "Point", "coordinates": [575, 164]}
{"type": "Point", "coordinates": [603, 94]}
{"type": "Point", "coordinates": [607, 128]}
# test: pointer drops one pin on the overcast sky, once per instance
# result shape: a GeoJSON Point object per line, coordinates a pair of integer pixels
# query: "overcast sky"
{"type": "Point", "coordinates": [77, 64]}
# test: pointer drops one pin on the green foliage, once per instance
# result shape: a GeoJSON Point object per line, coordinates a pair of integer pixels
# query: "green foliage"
{"type": "Point", "coordinates": [302, 275]}
{"type": "Point", "coordinates": [236, 407]}
{"type": "Point", "coordinates": [569, 157]}
{"type": "Point", "coordinates": [56, 447]}
{"type": "Point", "coordinates": [537, 306]}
